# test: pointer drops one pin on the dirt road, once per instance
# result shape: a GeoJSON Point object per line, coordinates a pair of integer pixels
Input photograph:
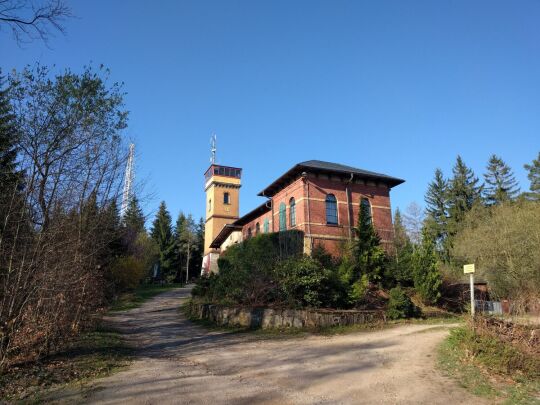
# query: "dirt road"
{"type": "Point", "coordinates": [180, 363]}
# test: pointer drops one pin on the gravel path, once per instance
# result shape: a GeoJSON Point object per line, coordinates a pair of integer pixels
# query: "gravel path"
{"type": "Point", "coordinates": [180, 363]}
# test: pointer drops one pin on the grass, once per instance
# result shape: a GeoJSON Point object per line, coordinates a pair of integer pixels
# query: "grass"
{"type": "Point", "coordinates": [490, 368]}
{"type": "Point", "coordinates": [137, 297]}
{"type": "Point", "coordinates": [94, 354]}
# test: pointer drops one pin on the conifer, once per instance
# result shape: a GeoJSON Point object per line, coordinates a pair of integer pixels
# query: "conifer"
{"type": "Point", "coordinates": [436, 200]}
{"type": "Point", "coordinates": [465, 191]}
{"type": "Point", "coordinates": [534, 178]}
{"type": "Point", "coordinates": [162, 234]}
{"type": "Point", "coordinates": [501, 185]}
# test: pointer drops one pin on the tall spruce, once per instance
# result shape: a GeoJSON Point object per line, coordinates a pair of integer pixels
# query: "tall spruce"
{"type": "Point", "coordinates": [399, 270]}
{"type": "Point", "coordinates": [501, 185]}
{"type": "Point", "coordinates": [427, 278]}
{"type": "Point", "coordinates": [436, 200]}
{"type": "Point", "coordinates": [10, 178]}
{"type": "Point", "coordinates": [134, 217]}
{"type": "Point", "coordinates": [368, 254]}
{"type": "Point", "coordinates": [534, 178]}
{"type": "Point", "coordinates": [179, 246]}
{"type": "Point", "coordinates": [162, 234]}
{"type": "Point", "coordinates": [464, 192]}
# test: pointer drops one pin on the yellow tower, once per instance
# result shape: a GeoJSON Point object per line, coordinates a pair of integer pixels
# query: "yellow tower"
{"type": "Point", "coordinates": [222, 187]}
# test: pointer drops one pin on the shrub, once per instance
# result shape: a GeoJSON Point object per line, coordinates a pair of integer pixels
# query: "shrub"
{"type": "Point", "coordinates": [400, 305]}
{"type": "Point", "coordinates": [127, 272]}
{"type": "Point", "coordinates": [303, 282]}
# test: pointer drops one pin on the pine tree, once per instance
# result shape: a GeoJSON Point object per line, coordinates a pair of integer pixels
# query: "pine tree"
{"type": "Point", "coordinates": [10, 178]}
{"type": "Point", "coordinates": [436, 200]}
{"type": "Point", "coordinates": [464, 192]}
{"type": "Point", "coordinates": [179, 246]}
{"type": "Point", "coordinates": [399, 270]}
{"type": "Point", "coordinates": [368, 255]}
{"type": "Point", "coordinates": [162, 234]}
{"type": "Point", "coordinates": [134, 217]}
{"type": "Point", "coordinates": [427, 278]}
{"type": "Point", "coordinates": [501, 185]}
{"type": "Point", "coordinates": [534, 178]}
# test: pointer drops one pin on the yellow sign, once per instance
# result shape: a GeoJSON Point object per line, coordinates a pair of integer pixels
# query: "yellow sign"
{"type": "Point", "coordinates": [468, 268]}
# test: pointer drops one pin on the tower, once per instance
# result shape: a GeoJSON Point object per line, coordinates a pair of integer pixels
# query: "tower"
{"type": "Point", "coordinates": [222, 188]}
{"type": "Point", "coordinates": [128, 180]}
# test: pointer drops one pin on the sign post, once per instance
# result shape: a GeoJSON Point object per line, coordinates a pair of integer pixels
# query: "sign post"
{"type": "Point", "coordinates": [469, 269]}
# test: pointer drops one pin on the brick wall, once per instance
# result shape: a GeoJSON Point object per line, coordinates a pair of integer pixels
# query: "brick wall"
{"type": "Point", "coordinates": [313, 221]}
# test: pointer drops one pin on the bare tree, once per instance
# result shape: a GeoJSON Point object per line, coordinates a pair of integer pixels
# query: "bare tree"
{"type": "Point", "coordinates": [29, 20]}
{"type": "Point", "coordinates": [413, 219]}
{"type": "Point", "coordinates": [59, 226]}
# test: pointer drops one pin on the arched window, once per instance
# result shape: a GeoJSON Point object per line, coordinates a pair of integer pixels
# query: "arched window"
{"type": "Point", "coordinates": [257, 228]}
{"type": "Point", "coordinates": [282, 217]}
{"type": "Point", "coordinates": [266, 225]}
{"type": "Point", "coordinates": [249, 233]}
{"type": "Point", "coordinates": [210, 205]}
{"type": "Point", "coordinates": [331, 210]}
{"type": "Point", "coordinates": [292, 212]}
{"type": "Point", "coordinates": [226, 198]}
{"type": "Point", "coordinates": [365, 208]}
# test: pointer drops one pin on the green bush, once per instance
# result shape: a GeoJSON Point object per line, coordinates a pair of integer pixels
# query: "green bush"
{"type": "Point", "coordinates": [400, 305]}
{"type": "Point", "coordinates": [127, 272]}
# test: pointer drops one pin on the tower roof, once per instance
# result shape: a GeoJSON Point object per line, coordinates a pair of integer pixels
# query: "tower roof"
{"type": "Point", "coordinates": [319, 166]}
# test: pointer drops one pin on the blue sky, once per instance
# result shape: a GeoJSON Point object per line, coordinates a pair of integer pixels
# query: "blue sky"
{"type": "Point", "coordinates": [390, 86]}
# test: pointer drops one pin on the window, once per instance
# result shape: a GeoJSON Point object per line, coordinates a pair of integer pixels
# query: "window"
{"type": "Point", "coordinates": [365, 207]}
{"type": "Point", "coordinates": [257, 228]}
{"type": "Point", "coordinates": [209, 204]}
{"type": "Point", "coordinates": [292, 212]}
{"type": "Point", "coordinates": [331, 210]}
{"type": "Point", "coordinates": [266, 225]}
{"type": "Point", "coordinates": [282, 217]}
{"type": "Point", "coordinates": [226, 198]}
{"type": "Point", "coordinates": [249, 233]}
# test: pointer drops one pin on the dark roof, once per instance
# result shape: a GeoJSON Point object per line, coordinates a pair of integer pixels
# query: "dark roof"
{"type": "Point", "coordinates": [319, 166]}
{"type": "Point", "coordinates": [250, 216]}
{"type": "Point", "coordinates": [224, 234]}
{"type": "Point", "coordinates": [237, 225]}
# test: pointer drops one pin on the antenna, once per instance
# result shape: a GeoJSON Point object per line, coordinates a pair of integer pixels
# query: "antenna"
{"type": "Point", "coordinates": [128, 180]}
{"type": "Point", "coordinates": [213, 149]}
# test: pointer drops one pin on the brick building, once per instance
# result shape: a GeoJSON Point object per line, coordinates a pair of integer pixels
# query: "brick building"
{"type": "Point", "coordinates": [321, 199]}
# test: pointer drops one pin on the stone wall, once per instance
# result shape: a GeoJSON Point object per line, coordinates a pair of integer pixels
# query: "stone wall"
{"type": "Point", "coordinates": [267, 318]}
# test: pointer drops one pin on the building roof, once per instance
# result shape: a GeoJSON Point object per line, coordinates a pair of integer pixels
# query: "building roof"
{"type": "Point", "coordinates": [237, 225]}
{"type": "Point", "coordinates": [224, 234]}
{"type": "Point", "coordinates": [319, 166]}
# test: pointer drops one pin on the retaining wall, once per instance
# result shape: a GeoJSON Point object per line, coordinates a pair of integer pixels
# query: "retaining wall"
{"type": "Point", "coordinates": [267, 318]}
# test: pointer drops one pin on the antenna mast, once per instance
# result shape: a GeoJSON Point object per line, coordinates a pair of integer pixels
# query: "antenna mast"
{"type": "Point", "coordinates": [213, 149]}
{"type": "Point", "coordinates": [128, 180]}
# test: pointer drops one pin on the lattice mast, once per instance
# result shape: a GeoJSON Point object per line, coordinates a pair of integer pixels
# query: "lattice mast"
{"type": "Point", "coordinates": [128, 180]}
{"type": "Point", "coordinates": [213, 149]}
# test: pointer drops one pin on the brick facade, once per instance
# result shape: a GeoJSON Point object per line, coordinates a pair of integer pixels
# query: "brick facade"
{"type": "Point", "coordinates": [311, 211]}
{"type": "Point", "coordinates": [309, 183]}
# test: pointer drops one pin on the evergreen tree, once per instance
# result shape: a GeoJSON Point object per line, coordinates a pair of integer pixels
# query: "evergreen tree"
{"type": "Point", "coordinates": [501, 185]}
{"type": "Point", "coordinates": [534, 178]}
{"type": "Point", "coordinates": [134, 217]}
{"type": "Point", "coordinates": [132, 226]}
{"type": "Point", "coordinates": [427, 278]}
{"type": "Point", "coordinates": [10, 178]}
{"type": "Point", "coordinates": [368, 257]}
{"type": "Point", "coordinates": [162, 234]}
{"type": "Point", "coordinates": [436, 200]}
{"type": "Point", "coordinates": [464, 192]}
{"type": "Point", "coordinates": [179, 246]}
{"type": "Point", "coordinates": [399, 269]}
